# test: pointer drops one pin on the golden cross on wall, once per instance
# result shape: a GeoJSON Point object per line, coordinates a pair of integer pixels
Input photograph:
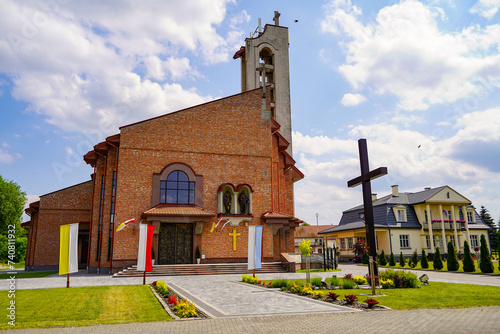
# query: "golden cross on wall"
{"type": "Point", "coordinates": [234, 235]}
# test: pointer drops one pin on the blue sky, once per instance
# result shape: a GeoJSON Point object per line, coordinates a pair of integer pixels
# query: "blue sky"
{"type": "Point", "coordinates": [420, 80]}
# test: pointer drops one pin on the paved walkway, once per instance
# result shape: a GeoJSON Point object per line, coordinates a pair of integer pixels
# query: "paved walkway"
{"type": "Point", "coordinates": [236, 307]}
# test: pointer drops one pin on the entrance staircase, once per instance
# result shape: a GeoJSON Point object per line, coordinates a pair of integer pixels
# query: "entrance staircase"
{"type": "Point", "coordinates": [202, 269]}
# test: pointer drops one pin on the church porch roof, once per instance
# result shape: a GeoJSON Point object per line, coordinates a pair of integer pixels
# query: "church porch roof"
{"type": "Point", "coordinates": [168, 210]}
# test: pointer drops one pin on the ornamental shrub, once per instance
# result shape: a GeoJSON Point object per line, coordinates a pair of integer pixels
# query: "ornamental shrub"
{"type": "Point", "coordinates": [360, 280]}
{"type": "Point", "coordinates": [402, 260]}
{"type": "Point", "coordinates": [350, 299]}
{"type": "Point", "coordinates": [414, 259]}
{"type": "Point", "coordinates": [306, 290]}
{"type": "Point", "coordinates": [295, 288]}
{"type": "Point", "coordinates": [400, 278]}
{"type": "Point", "coordinates": [486, 265]}
{"type": "Point", "coordinates": [387, 283]}
{"type": "Point", "coordinates": [438, 262]}
{"type": "Point", "coordinates": [334, 281]}
{"type": "Point", "coordinates": [185, 309]}
{"type": "Point", "coordinates": [423, 261]}
{"type": "Point", "coordinates": [318, 294]}
{"type": "Point", "coordinates": [382, 260]}
{"type": "Point", "coordinates": [279, 283]}
{"type": "Point", "coordinates": [305, 247]}
{"type": "Point", "coordinates": [332, 296]}
{"type": "Point", "coordinates": [468, 262]}
{"type": "Point", "coordinates": [452, 257]}
{"type": "Point", "coordinates": [316, 281]}
{"type": "Point", "coordinates": [162, 288]}
{"type": "Point", "coordinates": [392, 260]}
{"type": "Point", "coordinates": [348, 284]}
{"type": "Point", "coordinates": [371, 302]}
{"type": "Point", "coordinates": [365, 258]}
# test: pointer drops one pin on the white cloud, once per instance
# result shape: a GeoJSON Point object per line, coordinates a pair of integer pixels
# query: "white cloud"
{"type": "Point", "coordinates": [486, 8]}
{"type": "Point", "coordinates": [467, 161]}
{"type": "Point", "coordinates": [6, 158]}
{"type": "Point", "coordinates": [82, 67]}
{"type": "Point", "coordinates": [396, 54]}
{"type": "Point", "coordinates": [352, 99]}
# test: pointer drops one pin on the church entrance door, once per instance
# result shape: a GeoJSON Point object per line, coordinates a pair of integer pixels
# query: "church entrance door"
{"type": "Point", "coordinates": [175, 243]}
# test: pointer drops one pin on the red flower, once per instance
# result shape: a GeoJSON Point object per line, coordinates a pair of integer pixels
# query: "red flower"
{"type": "Point", "coordinates": [171, 300]}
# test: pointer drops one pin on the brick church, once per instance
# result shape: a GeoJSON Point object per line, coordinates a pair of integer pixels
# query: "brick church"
{"type": "Point", "coordinates": [201, 176]}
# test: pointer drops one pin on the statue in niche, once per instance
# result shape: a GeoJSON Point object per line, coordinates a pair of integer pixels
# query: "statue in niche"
{"type": "Point", "coordinates": [227, 201]}
{"type": "Point", "coordinates": [243, 201]}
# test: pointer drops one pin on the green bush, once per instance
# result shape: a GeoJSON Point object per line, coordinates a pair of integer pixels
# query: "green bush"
{"type": "Point", "coordinates": [295, 288]}
{"type": "Point", "coordinates": [334, 281]}
{"type": "Point", "coordinates": [348, 284]}
{"type": "Point", "coordinates": [400, 278]}
{"type": "Point", "coordinates": [316, 281]}
{"type": "Point", "coordinates": [402, 260]}
{"type": "Point", "coordinates": [468, 261]}
{"type": "Point", "coordinates": [392, 260]}
{"type": "Point", "coordinates": [486, 265]}
{"type": "Point", "coordinates": [279, 283]}
{"type": "Point", "coordinates": [185, 309]}
{"type": "Point", "coordinates": [360, 280]}
{"type": "Point", "coordinates": [451, 259]}
{"type": "Point", "coordinates": [423, 261]}
{"type": "Point", "coordinates": [382, 260]}
{"type": "Point", "coordinates": [438, 262]}
{"type": "Point", "coordinates": [162, 288]}
{"type": "Point", "coordinates": [365, 258]}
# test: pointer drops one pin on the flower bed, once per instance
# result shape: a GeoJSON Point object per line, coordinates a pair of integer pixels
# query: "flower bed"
{"type": "Point", "coordinates": [183, 308]}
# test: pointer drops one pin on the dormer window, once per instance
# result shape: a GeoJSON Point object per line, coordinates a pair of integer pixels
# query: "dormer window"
{"type": "Point", "coordinates": [400, 213]}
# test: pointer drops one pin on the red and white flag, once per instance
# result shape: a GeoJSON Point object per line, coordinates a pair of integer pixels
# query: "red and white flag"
{"type": "Point", "coordinates": [144, 262]}
{"type": "Point", "coordinates": [124, 224]}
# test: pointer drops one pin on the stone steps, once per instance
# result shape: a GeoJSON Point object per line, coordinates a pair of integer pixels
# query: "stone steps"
{"type": "Point", "coordinates": [202, 269]}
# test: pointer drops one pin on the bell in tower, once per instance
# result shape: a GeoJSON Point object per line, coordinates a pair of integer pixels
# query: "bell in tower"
{"type": "Point", "coordinates": [265, 64]}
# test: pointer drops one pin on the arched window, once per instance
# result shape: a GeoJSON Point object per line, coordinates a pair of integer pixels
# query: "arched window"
{"type": "Point", "coordinates": [177, 189]}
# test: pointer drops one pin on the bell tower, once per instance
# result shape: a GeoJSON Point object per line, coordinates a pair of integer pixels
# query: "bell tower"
{"type": "Point", "coordinates": [264, 62]}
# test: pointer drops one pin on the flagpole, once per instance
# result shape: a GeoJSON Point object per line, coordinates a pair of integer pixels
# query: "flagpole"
{"type": "Point", "coordinates": [67, 280]}
{"type": "Point", "coordinates": [144, 278]}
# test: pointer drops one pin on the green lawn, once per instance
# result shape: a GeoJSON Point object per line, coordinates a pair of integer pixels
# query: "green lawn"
{"type": "Point", "coordinates": [28, 274]}
{"type": "Point", "coordinates": [435, 295]}
{"type": "Point", "coordinates": [84, 306]}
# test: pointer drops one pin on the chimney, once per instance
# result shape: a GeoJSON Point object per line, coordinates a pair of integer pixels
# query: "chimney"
{"type": "Point", "coordinates": [395, 191]}
{"type": "Point", "coordinates": [427, 188]}
{"type": "Point", "coordinates": [374, 197]}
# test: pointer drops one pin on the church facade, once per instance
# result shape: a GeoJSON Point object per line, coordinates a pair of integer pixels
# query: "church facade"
{"type": "Point", "coordinates": [201, 176]}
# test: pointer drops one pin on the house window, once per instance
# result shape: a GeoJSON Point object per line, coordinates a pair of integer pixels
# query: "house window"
{"type": "Point", "coordinates": [400, 213]}
{"type": "Point", "coordinates": [425, 216]}
{"type": "Point", "coordinates": [469, 217]}
{"type": "Point", "coordinates": [177, 189]}
{"type": "Point", "coordinates": [428, 241]}
{"type": "Point", "coordinates": [404, 241]}
{"type": "Point", "coordinates": [342, 243]}
{"type": "Point", "coordinates": [350, 245]}
{"type": "Point", "coordinates": [473, 241]}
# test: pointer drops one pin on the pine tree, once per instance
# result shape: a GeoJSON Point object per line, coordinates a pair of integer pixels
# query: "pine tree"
{"type": "Point", "coordinates": [488, 220]}
{"type": "Point", "coordinates": [414, 259]}
{"type": "Point", "coordinates": [486, 265]}
{"type": "Point", "coordinates": [438, 262]}
{"type": "Point", "coordinates": [423, 262]}
{"type": "Point", "coordinates": [402, 260]}
{"type": "Point", "coordinates": [469, 266]}
{"type": "Point", "coordinates": [452, 257]}
{"type": "Point", "coordinates": [382, 260]}
{"type": "Point", "coordinates": [392, 260]}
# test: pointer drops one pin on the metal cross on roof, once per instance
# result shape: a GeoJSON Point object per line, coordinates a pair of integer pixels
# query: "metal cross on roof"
{"type": "Point", "coordinates": [364, 179]}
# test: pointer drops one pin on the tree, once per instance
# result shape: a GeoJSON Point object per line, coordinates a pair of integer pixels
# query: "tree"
{"type": "Point", "coordinates": [414, 259]}
{"type": "Point", "coordinates": [452, 257]}
{"type": "Point", "coordinates": [12, 201]}
{"type": "Point", "coordinates": [498, 246]}
{"type": "Point", "coordinates": [492, 233]}
{"type": "Point", "coordinates": [382, 260]}
{"type": "Point", "coordinates": [402, 260]}
{"type": "Point", "coordinates": [438, 262]}
{"type": "Point", "coordinates": [305, 224]}
{"type": "Point", "coordinates": [392, 260]}
{"type": "Point", "coordinates": [486, 265]}
{"type": "Point", "coordinates": [423, 262]}
{"type": "Point", "coordinates": [360, 248]}
{"type": "Point", "coordinates": [468, 262]}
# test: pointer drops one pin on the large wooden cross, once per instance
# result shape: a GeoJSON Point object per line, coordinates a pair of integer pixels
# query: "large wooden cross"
{"type": "Point", "coordinates": [364, 179]}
